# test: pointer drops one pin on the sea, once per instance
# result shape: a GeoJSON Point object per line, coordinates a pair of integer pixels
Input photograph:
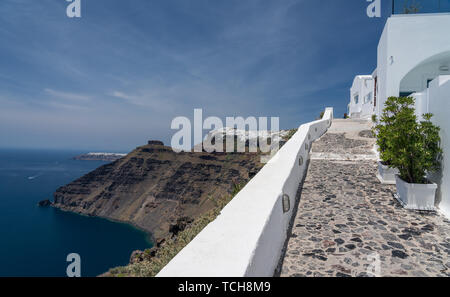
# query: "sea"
{"type": "Point", "coordinates": [36, 241]}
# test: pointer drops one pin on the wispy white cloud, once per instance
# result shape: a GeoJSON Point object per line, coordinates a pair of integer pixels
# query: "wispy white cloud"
{"type": "Point", "coordinates": [143, 99]}
{"type": "Point", "coordinates": [70, 107]}
{"type": "Point", "coordinates": [67, 95]}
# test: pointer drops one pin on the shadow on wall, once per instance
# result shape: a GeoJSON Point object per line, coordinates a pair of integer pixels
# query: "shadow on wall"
{"type": "Point", "coordinates": [436, 177]}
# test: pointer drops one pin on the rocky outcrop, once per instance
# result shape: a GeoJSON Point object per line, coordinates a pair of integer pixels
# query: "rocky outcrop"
{"type": "Point", "coordinates": [156, 189]}
{"type": "Point", "coordinates": [155, 142]}
{"type": "Point", "coordinates": [45, 203]}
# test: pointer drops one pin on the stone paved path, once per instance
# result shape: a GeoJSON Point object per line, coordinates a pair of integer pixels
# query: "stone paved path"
{"type": "Point", "coordinates": [348, 224]}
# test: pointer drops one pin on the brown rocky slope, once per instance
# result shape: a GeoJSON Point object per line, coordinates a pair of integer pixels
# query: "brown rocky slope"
{"type": "Point", "coordinates": [153, 187]}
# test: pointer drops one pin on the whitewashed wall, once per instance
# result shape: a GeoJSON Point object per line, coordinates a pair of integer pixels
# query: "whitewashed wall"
{"type": "Point", "coordinates": [407, 41]}
{"type": "Point", "coordinates": [247, 237]}
{"type": "Point", "coordinates": [362, 86]}
{"type": "Point", "coordinates": [421, 104]}
{"type": "Point", "coordinates": [439, 106]}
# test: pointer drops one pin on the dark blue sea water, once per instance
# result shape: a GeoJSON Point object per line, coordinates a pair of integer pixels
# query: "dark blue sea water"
{"type": "Point", "coordinates": [36, 241]}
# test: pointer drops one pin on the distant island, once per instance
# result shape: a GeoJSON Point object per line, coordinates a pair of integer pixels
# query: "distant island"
{"type": "Point", "coordinates": [99, 157]}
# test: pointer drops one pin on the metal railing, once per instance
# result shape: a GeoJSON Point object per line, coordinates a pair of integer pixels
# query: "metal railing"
{"type": "Point", "coordinates": [420, 6]}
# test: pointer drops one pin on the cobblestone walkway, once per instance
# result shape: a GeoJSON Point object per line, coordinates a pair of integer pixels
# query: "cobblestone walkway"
{"type": "Point", "coordinates": [348, 224]}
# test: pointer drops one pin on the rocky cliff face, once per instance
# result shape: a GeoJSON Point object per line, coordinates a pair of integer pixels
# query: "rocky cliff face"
{"type": "Point", "coordinates": [153, 187]}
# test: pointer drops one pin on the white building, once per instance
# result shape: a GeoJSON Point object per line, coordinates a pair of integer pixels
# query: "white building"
{"type": "Point", "coordinates": [413, 50]}
{"type": "Point", "coordinates": [362, 97]}
{"type": "Point", "coordinates": [414, 60]}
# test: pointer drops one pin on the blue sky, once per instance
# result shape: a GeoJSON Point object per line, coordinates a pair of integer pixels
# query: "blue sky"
{"type": "Point", "coordinates": [119, 75]}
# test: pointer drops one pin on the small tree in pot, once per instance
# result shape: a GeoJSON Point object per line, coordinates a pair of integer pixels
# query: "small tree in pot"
{"type": "Point", "coordinates": [413, 148]}
{"type": "Point", "coordinates": [382, 133]}
{"type": "Point", "coordinates": [386, 172]}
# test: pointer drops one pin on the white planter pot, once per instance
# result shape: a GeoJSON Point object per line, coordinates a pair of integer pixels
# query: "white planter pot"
{"type": "Point", "coordinates": [415, 196]}
{"type": "Point", "coordinates": [386, 175]}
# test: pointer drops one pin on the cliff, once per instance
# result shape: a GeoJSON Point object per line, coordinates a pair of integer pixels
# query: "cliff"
{"type": "Point", "coordinates": [154, 187]}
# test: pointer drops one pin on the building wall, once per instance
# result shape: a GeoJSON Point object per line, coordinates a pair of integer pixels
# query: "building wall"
{"type": "Point", "coordinates": [410, 51]}
{"type": "Point", "coordinates": [439, 105]}
{"type": "Point", "coordinates": [367, 106]}
{"type": "Point", "coordinates": [416, 80]}
{"type": "Point", "coordinates": [363, 85]}
{"type": "Point", "coordinates": [421, 104]}
{"type": "Point", "coordinates": [407, 40]}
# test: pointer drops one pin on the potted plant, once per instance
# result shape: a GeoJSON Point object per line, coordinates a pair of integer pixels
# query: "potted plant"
{"type": "Point", "coordinates": [386, 173]}
{"type": "Point", "coordinates": [413, 148]}
{"type": "Point", "coordinates": [413, 7]}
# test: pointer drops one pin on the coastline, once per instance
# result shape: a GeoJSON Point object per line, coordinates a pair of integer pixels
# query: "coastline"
{"type": "Point", "coordinates": [149, 236]}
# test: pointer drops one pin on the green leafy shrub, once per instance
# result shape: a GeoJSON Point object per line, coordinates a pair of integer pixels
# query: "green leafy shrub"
{"type": "Point", "coordinates": [321, 115]}
{"type": "Point", "coordinates": [406, 144]}
{"type": "Point", "coordinates": [411, 7]}
{"type": "Point", "coordinates": [382, 130]}
{"type": "Point", "coordinates": [374, 118]}
{"type": "Point", "coordinates": [290, 134]}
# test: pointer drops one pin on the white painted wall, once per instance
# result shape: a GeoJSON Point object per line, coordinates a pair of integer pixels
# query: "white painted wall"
{"type": "Point", "coordinates": [416, 80]}
{"type": "Point", "coordinates": [421, 104]}
{"type": "Point", "coordinates": [412, 50]}
{"type": "Point", "coordinates": [363, 86]}
{"type": "Point", "coordinates": [246, 239]}
{"type": "Point", "coordinates": [407, 41]}
{"type": "Point", "coordinates": [439, 105]}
